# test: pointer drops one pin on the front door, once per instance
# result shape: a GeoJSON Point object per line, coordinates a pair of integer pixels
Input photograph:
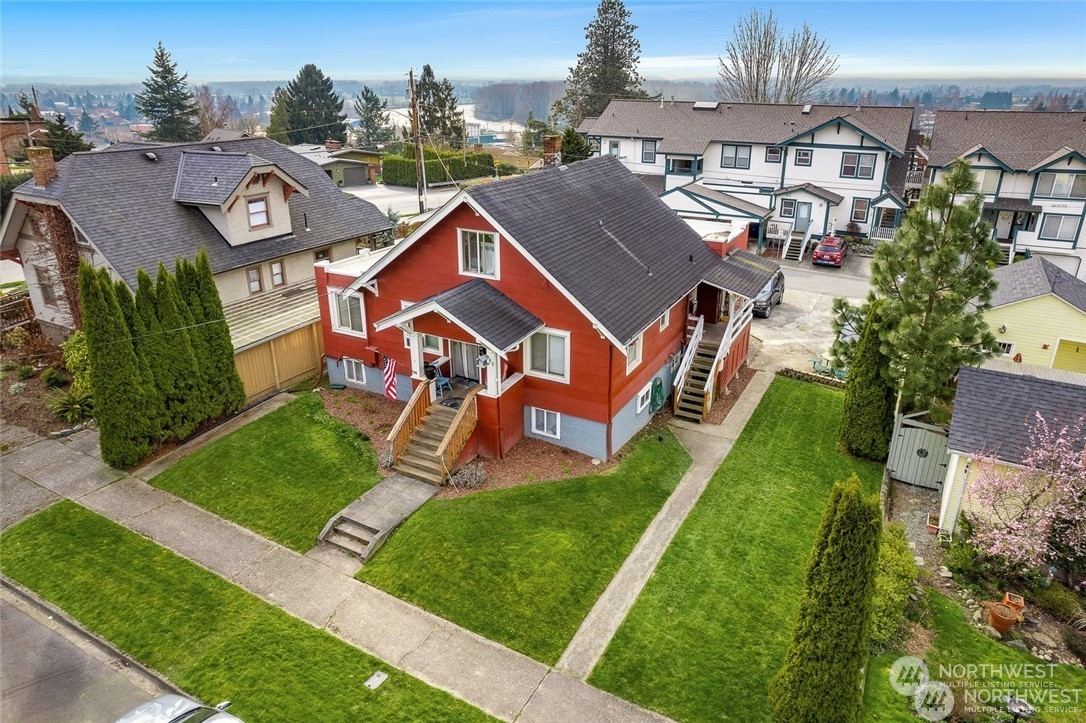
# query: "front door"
{"type": "Point", "coordinates": [803, 217]}
{"type": "Point", "coordinates": [463, 358]}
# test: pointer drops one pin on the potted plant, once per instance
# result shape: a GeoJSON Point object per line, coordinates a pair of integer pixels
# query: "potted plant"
{"type": "Point", "coordinates": [933, 522]}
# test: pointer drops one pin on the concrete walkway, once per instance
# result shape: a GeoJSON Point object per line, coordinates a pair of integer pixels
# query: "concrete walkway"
{"type": "Point", "coordinates": [323, 592]}
{"type": "Point", "coordinates": [708, 445]}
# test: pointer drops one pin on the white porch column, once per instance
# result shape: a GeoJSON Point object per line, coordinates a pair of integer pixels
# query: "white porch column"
{"type": "Point", "coordinates": [416, 351]}
{"type": "Point", "coordinates": [492, 373]}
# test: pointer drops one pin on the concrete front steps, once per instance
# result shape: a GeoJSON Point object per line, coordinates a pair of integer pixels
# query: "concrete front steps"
{"type": "Point", "coordinates": [691, 404]}
{"type": "Point", "coordinates": [363, 526]}
{"type": "Point", "coordinates": [419, 458]}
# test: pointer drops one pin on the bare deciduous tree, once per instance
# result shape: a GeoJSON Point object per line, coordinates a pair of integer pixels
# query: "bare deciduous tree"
{"type": "Point", "coordinates": [763, 65]}
{"type": "Point", "coordinates": [213, 112]}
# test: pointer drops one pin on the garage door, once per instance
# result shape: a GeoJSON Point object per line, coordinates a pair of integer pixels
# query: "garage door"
{"type": "Point", "coordinates": [355, 175]}
{"type": "Point", "coordinates": [1070, 356]}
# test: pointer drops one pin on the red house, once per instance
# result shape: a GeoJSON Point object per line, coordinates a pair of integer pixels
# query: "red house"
{"type": "Point", "coordinates": [566, 305]}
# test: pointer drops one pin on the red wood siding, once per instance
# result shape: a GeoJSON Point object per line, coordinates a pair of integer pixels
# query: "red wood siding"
{"type": "Point", "coordinates": [737, 355]}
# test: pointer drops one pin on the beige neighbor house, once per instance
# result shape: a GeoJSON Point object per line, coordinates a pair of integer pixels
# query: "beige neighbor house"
{"type": "Point", "coordinates": [265, 215]}
{"type": "Point", "coordinates": [994, 409]}
{"type": "Point", "coordinates": [1038, 315]}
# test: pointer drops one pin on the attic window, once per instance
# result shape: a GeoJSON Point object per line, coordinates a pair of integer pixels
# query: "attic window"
{"type": "Point", "coordinates": [258, 212]}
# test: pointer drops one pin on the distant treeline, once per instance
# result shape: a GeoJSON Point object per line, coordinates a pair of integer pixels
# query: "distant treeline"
{"type": "Point", "coordinates": [513, 101]}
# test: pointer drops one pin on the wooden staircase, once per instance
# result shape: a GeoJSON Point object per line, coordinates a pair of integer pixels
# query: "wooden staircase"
{"type": "Point", "coordinates": [419, 459]}
{"type": "Point", "coordinates": [691, 402]}
{"type": "Point", "coordinates": [794, 250]}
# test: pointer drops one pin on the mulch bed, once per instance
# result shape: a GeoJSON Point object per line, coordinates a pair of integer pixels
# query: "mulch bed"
{"type": "Point", "coordinates": [28, 410]}
{"type": "Point", "coordinates": [726, 401]}
{"type": "Point", "coordinates": [373, 414]}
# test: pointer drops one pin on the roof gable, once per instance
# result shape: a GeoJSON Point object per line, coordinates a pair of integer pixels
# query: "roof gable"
{"type": "Point", "coordinates": [211, 177]}
{"type": "Point", "coordinates": [1020, 139]}
{"type": "Point", "coordinates": [844, 121]}
{"type": "Point", "coordinates": [1036, 277]}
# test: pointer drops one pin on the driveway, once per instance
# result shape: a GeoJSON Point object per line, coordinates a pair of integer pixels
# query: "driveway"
{"type": "Point", "coordinates": [401, 199]}
{"type": "Point", "coordinates": [800, 327]}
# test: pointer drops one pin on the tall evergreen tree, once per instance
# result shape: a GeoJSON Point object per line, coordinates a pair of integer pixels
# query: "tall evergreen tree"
{"type": "Point", "coordinates": [63, 139]}
{"type": "Point", "coordinates": [868, 418]}
{"type": "Point", "coordinates": [227, 391]}
{"type": "Point", "coordinates": [606, 69]}
{"type": "Point", "coordinates": [192, 312]}
{"type": "Point", "coordinates": [822, 676]}
{"type": "Point", "coordinates": [153, 396]}
{"type": "Point", "coordinates": [187, 405]}
{"type": "Point", "coordinates": [277, 121]}
{"type": "Point", "coordinates": [119, 396]}
{"type": "Point", "coordinates": [575, 147]}
{"type": "Point", "coordinates": [442, 123]}
{"type": "Point", "coordinates": [313, 109]}
{"type": "Point", "coordinates": [87, 123]}
{"type": "Point", "coordinates": [374, 127]}
{"type": "Point", "coordinates": [167, 102]}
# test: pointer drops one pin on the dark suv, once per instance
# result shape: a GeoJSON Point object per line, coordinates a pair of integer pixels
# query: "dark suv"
{"type": "Point", "coordinates": [771, 295]}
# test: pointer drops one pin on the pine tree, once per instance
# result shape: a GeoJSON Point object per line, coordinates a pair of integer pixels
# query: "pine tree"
{"type": "Point", "coordinates": [442, 124]}
{"type": "Point", "coordinates": [167, 102]}
{"type": "Point", "coordinates": [374, 127]}
{"type": "Point", "coordinates": [313, 110]}
{"type": "Point", "coordinates": [186, 406]}
{"type": "Point", "coordinates": [277, 121]}
{"type": "Point", "coordinates": [228, 391]}
{"type": "Point", "coordinates": [119, 396]}
{"type": "Point", "coordinates": [575, 147]}
{"type": "Point", "coordinates": [868, 419]}
{"type": "Point", "coordinates": [63, 139]}
{"type": "Point", "coordinates": [606, 69]}
{"type": "Point", "coordinates": [87, 123]}
{"type": "Point", "coordinates": [822, 676]}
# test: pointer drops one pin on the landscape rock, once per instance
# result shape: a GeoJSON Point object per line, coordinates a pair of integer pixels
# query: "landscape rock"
{"type": "Point", "coordinates": [1042, 639]}
{"type": "Point", "coordinates": [919, 561]}
{"type": "Point", "coordinates": [992, 632]}
{"type": "Point", "coordinates": [946, 573]}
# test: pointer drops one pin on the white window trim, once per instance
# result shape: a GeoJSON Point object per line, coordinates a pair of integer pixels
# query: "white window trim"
{"type": "Point", "coordinates": [1009, 347]}
{"type": "Point", "coordinates": [645, 152]}
{"type": "Point", "coordinates": [497, 275]}
{"type": "Point", "coordinates": [333, 307]}
{"type": "Point", "coordinates": [792, 203]}
{"type": "Point", "coordinates": [1068, 218]}
{"type": "Point", "coordinates": [665, 320]}
{"type": "Point", "coordinates": [432, 349]}
{"type": "Point", "coordinates": [810, 157]}
{"type": "Point", "coordinates": [633, 361]}
{"type": "Point", "coordinates": [557, 423]}
{"type": "Point", "coordinates": [528, 371]}
{"type": "Point", "coordinates": [644, 397]}
{"type": "Point", "coordinates": [348, 363]}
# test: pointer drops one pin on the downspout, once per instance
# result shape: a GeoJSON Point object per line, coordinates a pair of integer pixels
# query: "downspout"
{"type": "Point", "coordinates": [610, 378]}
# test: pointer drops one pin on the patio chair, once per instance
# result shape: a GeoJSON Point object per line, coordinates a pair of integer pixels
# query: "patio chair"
{"type": "Point", "coordinates": [821, 366]}
{"type": "Point", "coordinates": [841, 373]}
{"type": "Point", "coordinates": [443, 384]}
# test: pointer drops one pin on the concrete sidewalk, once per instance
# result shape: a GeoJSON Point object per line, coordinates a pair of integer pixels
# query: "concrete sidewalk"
{"type": "Point", "coordinates": [498, 680]}
{"type": "Point", "coordinates": [708, 445]}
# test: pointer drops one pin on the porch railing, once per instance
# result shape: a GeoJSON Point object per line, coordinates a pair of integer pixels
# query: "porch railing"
{"type": "Point", "coordinates": [688, 357]}
{"type": "Point", "coordinates": [915, 178]}
{"type": "Point", "coordinates": [410, 418]}
{"type": "Point", "coordinates": [736, 323]}
{"type": "Point", "coordinates": [459, 432]}
{"type": "Point", "coordinates": [882, 234]}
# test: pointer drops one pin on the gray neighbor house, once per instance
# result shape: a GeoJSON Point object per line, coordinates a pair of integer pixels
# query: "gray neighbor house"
{"type": "Point", "coordinates": [264, 214]}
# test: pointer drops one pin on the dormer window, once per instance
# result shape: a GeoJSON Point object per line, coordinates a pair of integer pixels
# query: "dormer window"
{"type": "Point", "coordinates": [478, 253]}
{"type": "Point", "coordinates": [258, 212]}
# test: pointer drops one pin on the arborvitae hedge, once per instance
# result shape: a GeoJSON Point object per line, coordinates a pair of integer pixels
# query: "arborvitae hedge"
{"type": "Point", "coordinates": [186, 407]}
{"type": "Point", "coordinates": [868, 419]}
{"type": "Point", "coordinates": [226, 391]}
{"type": "Point", "coordinates": [119, 395]}
{"type": "Point", "coordinates": [446, 166]}
{"type": "Point", "coordinates": [821, 679]}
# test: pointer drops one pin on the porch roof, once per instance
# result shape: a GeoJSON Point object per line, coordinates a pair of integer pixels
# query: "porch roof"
{"type": "Point", "coordinates": [813, 190]}
{"type": "Point", "coordinates": [742, 272]}
{"type": "Point", "coordinates": [480, 309]}
{"type": "Point", "coordinates": [261, 317]}
{"type": "Point", "coordinates": [1011, 204]}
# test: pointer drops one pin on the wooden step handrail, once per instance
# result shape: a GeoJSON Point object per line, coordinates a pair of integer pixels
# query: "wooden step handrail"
{"type": "Point", "coordinates": [410, 418]}
{"type": "Point", "coordinates": [459, 431]}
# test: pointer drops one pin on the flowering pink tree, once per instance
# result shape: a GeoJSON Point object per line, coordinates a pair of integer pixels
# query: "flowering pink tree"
{"type": "Point", "coordinates": [1034, 514]}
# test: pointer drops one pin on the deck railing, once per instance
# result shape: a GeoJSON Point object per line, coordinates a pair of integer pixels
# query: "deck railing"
{"type": "Point", "coordinates": [688, 357]}
{"type": "Point", "coordinates": [736, 323]}
{"type": "Point", "coordinates": [15, 310]}
{"type": "Point", "coordinates": [883, 234]}
{"type": "Point", "coordinates": [410, 418]}
{"type": "Point", "coordinates": [915, 178]}
{"type": "Point", "coordinates": [459, 432]}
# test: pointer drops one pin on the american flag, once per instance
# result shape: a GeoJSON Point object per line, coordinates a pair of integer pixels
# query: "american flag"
{"type": "Point", "coordinates": [390, 378]}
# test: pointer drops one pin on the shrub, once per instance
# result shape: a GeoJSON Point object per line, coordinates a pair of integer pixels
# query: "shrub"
{"type": "Point", "coordinates": [868, 418]}
{"type": "Point", "coordinates": [7, 365]}
{"type": "Point", "coordinates": [53, 378]}
{"type": "Point", "coordinates": [25, 372]}
{"type": "Point", "coordinates": [71, 407]}
{"type": "Point", "coordinates": [15, 338]}
{"type": "Point", "coordinates": [895, 576]}
{"type": "Point", "coordinates": [1058, 600]}
{"type": "Point", "coordinates": [17, 389]}
{"type": "Point", "coordinates": [77, 360]}
{"type": "Point", "coordinates": [1075, 641]}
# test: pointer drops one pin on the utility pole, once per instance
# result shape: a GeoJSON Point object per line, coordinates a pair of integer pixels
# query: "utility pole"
{"type": "Point", "coordinates": [420, 166]}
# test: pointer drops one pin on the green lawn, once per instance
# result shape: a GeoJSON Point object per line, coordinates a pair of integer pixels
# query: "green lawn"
{"type": "Point", "coordinates": [713, 624]}
{"type": "Point", "coordinates": [959, 643]}
{"type": "Point", "coordinates": [523, 566]}
{"type": "Point", "coordinates": [209, 637]}
{"type": "Point", "coordinates": [282, 476]}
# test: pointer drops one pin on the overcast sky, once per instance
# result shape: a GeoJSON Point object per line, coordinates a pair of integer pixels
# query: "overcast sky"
{"type": "Point", "coordinates": [480, 39]}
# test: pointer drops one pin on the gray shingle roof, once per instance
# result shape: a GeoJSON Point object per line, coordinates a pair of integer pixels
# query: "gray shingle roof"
{"type": "Point", "coordinates": [1011, 204]}
{"type": "Point", "coordinates": [813, 190]}
{"type": "Point", "coordinates": [743, 272]}
{"type": "Point", "coordinates": [1021, 139]}
{"type": "Point", "coordinates": [686, 130]}
{"type": "Point", "coordinates": [499, 320]}
{"type": "Point", "coordinates": [728, 200]}
{"type": "Point", "coordinates": [993, 410]}
{"type": "Point", "coordinates": [607, 239]}
{"type": "Point", "coordinates": [123, 202]}
{"type": "Point", "coordinates": [1037, 277]}
{"type": "Point", "coordinates": [209, 177]}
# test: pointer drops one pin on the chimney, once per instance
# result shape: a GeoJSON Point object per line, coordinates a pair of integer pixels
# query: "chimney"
{"type": "Point", "coordinates": [330, 145]}
{"type": "Point", "coordinates": [552, 147]}
{"type": "Point", "coordinates": [42, 165]}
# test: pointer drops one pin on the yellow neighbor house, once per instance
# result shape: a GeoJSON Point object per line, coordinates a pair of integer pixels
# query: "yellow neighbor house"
{"type": "Point", "coordinates": [1038, 315]}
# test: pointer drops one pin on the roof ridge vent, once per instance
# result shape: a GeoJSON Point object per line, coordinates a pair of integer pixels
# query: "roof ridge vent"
{"type": "Point", "coordinates": [806, 109]}
{"type": "Point", "coordinates": [706, 105]}
{"type": "Point", "coordinates": [216, 149]}
{"type": "Point", "coordinates": [151, 156]}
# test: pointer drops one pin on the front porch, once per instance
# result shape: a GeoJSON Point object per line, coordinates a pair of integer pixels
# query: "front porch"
{"type": "Point", "coordinates": [1008, 216]}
